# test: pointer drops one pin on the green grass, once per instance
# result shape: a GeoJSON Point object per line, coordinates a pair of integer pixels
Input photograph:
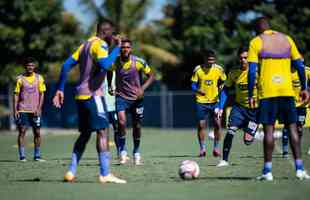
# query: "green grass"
{"type": "Point", "coordinates": [162, 150]}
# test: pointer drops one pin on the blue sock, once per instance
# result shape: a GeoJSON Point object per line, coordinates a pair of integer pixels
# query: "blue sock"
{"type": "Point", "coordinates": [136, 145]}
{"type": "Point", "coordinates": [299, 165]}
{"type": "Point", "coordinates": [75, 159]}
{"type": "Point", "coordinates": [267, 167]}
{"type": "Point", "coordinates": [285, 140]}
{"type": "Point", "coordinates": [116, 141]}
{"type": "Point", "coordinates": [202, 145]}
{"type": "Point", "coordinates": [21, 152]}
{"type": "Point", "coordinates": [104, 162]}
{"type": "Point", "coordinates": [37, 152]}
{"type": "Point", "coordinates": [122, 143]}
{"type": "Point", "coordinates": [216, 144]}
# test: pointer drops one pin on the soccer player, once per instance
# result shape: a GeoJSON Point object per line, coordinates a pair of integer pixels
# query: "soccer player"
{"type": "Point", "coordinates": [94, 60]}
{"type": "Point", "coordinates": [206, 82]}
{"type": "Point", "coordinates": [301, 109]}
{"type": "Point", "coordinates": [129, 97]}
{"type": "Point", "coordinates": [241, 116]}
{"type": "Point", "coordinates": [271, 53]}
{"type": "Point", "coordinates": [28, 100]}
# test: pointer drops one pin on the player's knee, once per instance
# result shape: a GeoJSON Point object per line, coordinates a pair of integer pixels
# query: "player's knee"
{"type": "Point", "coordinates": [202, 124]}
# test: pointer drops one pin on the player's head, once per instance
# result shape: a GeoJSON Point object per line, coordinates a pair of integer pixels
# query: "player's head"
{"type": "Point", "coordinates": [243, 57]}
{"type": "Point", "coordinates": [105, 30]}
{"type": "Point", "coordinates": [126, 48]}
{"type": "Point", "coordinates": [209, 58]}
{"type": "Point", "coordinates": [29, 64]}
{"type": "Point", "coordinates": [261, 24]}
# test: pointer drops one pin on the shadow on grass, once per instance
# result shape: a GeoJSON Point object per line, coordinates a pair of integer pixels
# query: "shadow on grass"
{"type": "Point", "coordinates": [50, 181]}
{"type": "Point", "coordinates": [275, 155]}
{"type": "Point", "coordinates": [174, 156]}
{"type": "Point", "coordinates": [225, 178]}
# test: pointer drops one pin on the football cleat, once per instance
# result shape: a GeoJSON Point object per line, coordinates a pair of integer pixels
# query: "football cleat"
{"type": "Point", "coordinates": [285, 154]}
{"type": "Point", "coordinates": [202, 153]}
{"type": "Point", "coordinates": [23, 159]}
{"type": "Point", "coordinates": [302, 174]}
{"type": "Point", "coordinates": [222, 163]}
{"type": "Point", "coordinates": [216, 152]}
{"type": "Point", "coordinates": [69, 177]}
{"type": "Point", "coordinates": [39, 159]}
{"type": "Point", "coordinates": [265, 177]}
{"type": "Point", "coordinates": [123, 159]}
{"type": "Point", "coordinates": [110, 178]}
{"type": "Point", "coordinates": [137, 159]}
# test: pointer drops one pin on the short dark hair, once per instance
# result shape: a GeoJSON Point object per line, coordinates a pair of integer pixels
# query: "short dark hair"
{"type": "Point", "coordinates": [104, 21]}
{"type": "Point", "coordinates": [126, 40]}
{"type": "Point", "coordinates": [209, 53]}
{"type": "Point", "coordinates": [261, 22]}
{"type": "Point", "coordinates": [28, 60]}
{"type": "Point", "coordinates": [242, 49]}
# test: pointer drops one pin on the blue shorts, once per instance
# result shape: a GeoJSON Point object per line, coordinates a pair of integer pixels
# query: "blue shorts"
{"type": "Point", "coordinates": [92, 114]}
{"type": "Point", "coordinates": [281, 108]}
{"type": "Point", "coordinates": [205, 111]}
{"type": "Point", "coordinates": [28, 119]}
{"type": "Point", "coordinates": [245, 118]}
{"type": "Point", "coordinates": [135, 107]}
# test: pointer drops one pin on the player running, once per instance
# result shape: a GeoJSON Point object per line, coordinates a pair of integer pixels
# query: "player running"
{"type": "Point", "coordinates": [241, 116]}
{"type": "Point", "coordinates": [93, 59]}
{"type": "Point", "coordinates": [272, 54]}
{"type": "Point", "coordinates": [28, 100]}
{"type": "Point", "coordinates": [206, 82]}
{"type": "Point", "coordinates": [129, 97]}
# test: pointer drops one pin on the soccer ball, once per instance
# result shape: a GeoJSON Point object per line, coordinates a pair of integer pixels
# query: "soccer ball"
{"type": "Point", "coordinates": [189, 170]}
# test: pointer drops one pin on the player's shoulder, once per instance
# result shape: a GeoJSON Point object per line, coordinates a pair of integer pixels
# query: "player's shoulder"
{"type": "Point", "coordinates": [307, 69]}
{"type": "Point", "coordinates": [19, 77]}
{"type": "Point", "coordinates": [41, 78]}
{"type": "Point", "coordinates": [139, 60]}
{"type": "Point", "coordinates": [97, 42]}
{"type": "Point", "coordinates": [218, 67]}
{"type": "Point", "coordinates": [197, 68]}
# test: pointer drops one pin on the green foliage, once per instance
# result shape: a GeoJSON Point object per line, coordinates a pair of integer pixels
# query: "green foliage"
{"type": "Point", "coordinates": [36, 28]}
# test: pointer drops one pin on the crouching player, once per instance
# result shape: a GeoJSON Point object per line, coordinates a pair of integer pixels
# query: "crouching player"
{"type": "Point", "coordinates": [301, 109]}
{"type": "Point", "coordinates": [241, 116]}
{"type": "Point", "coordinates": [28, 101]}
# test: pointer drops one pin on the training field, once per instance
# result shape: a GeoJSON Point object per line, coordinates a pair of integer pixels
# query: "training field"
{"type": "Point", "coordinates": [156, 179]}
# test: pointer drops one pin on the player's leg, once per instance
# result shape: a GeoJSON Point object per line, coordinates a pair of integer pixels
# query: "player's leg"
{"type": "Point", "coordinates": [114, 122]}
{"type": "Point", "coordinates": [268, 113]}
{"type": "Point", "coordinates": [201, 111]}
{"type": "Point", "coordinates": [36, 124]}
{"type": "Point", "coordinates": [217, 123]}
{"type": "Point", "coordinates": [301, 120]}
{"type": "Point", "coordinates": [137, 116]}
{"type": "Point", "coordinates": [22, 123]}
{"type": "Point", "coordinates": [251, 125]}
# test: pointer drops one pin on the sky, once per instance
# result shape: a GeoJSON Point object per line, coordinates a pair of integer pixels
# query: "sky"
{"type": "Point", "coordinates": [86, 17]}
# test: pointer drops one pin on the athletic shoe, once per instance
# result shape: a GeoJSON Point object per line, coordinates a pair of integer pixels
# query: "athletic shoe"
{"type": "Point", "coordinates": [123, 158]}
{"type": "Point", "coordinates": [302, 174]}
{"type": "Point", "coordinates": [222, 163]}
{"type": "Point", "coordinates": [202, 153]}
{"type": "Point", "coordinates": [110, 178]}
{"type": "Point", "coordinates": [137, 159]}
{"type": "Point", "coordinates": [39, 159]}
{"type": "Point", "coordinates": [285, 154]}
{"type": "Point", "coordinates": [248, 138]}
{"type": "Point", "coordinates": [23, 159]}
{"type": "Point", "coordinates": [309, 151]}
{"type": "Point", "coordinates": [69, 177]}
{"type": "Point", "coordinates": [216, 152]}
{"type": "Point", "coordinates": [265, 177]}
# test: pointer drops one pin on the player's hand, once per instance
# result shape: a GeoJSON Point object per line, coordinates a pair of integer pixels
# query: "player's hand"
{"type": "Point", "coordinates": [218, 113]}
{"type": "Point", "coordinates": [252, 102]}
{"type": "Point", "coordinates": [117, 39]}
{"type": "Point", "coordinates": [111, 91]}
{"type": "Point", "coordinates": [140, 93]}
{"type": "Point", "coordinates": [58, 99]}
{"type": "Point", "coordinates": [304, 95]}
{"type": "Point", "coordinates": [16, 115]}
{"type": "Point", "coordinates": [200, 92]}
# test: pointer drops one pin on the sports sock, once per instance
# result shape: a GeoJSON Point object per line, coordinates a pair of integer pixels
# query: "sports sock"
{"type": "Point", "coordinates": [216, 144]}
{"type": "Point", "coordinates": [136, 145]}
{"type": "Point", "coordinates": [75, 159]}
{"type": "Point", "coordinates": [37, 152]}
{"type": "Point", "coordinates": [21, 152]}
{"type": "Point", "coordinates": [267, 167]}
{"type": "Point", "coordinates": [227, 145]}
{"type": "Point", "coordinates": [104, 162]}
{"type": "Point", "coordinates": [116, 141]}
{"type": "Point", "coordinates": [202, 145]}
{"type": "Point", "coordinates": [285, 140]}
{"type": "Point", "coordinates": [122, 143]}
{"type": "Point", "coordinates": [299, 165]}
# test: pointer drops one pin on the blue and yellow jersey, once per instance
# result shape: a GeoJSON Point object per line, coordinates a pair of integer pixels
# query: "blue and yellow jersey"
{"type": "Point", "coordinates": [30, 80]}
{"type": "Point", "coordinates": [238, 79]}
{"type": "Point", "coordinates": [208, 81]}
{"type": "Point", "coordinates": [274, 74]}
{"type": "Point", "coordinates": [99, 49]}
{"type": "Point", "coordinates": [140, 64]}
{"type": "Point", "coordinates": [297, 86]}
